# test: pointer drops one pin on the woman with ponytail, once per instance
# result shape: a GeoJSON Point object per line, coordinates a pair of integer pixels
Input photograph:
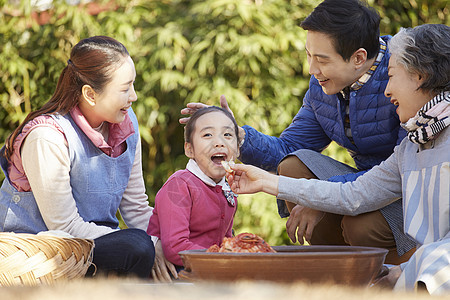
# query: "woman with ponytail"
{"type": "Point", "coordinates": [73, 163]}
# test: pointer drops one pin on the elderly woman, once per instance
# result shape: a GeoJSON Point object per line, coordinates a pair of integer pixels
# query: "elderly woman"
{"type": "Point", "coordinates": [418, 170]}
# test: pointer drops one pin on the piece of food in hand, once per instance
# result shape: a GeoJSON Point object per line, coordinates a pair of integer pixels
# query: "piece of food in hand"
{"type": "Point", "coordinates": [226, 166]}
{"type": "Point", "coordinates": [243, 243]}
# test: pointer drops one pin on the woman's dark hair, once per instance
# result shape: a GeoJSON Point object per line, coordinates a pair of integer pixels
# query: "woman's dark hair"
{"type": "Point", "coordinates": [351, 24]}
{"type": "Point", "coordinates": [425, 50]}
{"type": "Point", "coordinates": [190, 126]}
{"type": "Point", "coordinates": [92, 62]}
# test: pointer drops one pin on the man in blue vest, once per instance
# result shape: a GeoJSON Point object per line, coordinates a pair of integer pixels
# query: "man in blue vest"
{"type": "Point", "coordinates": [345, 103]}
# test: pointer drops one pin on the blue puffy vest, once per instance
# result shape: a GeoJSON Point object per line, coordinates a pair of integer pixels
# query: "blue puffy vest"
{"type": "Point", "coordinates": [374, 123]}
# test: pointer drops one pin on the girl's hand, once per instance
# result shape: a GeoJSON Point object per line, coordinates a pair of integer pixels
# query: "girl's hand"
{"type": "Point", "coordinates": [248, 179]}
{"type": "Point", "coordinates": [162, 266]}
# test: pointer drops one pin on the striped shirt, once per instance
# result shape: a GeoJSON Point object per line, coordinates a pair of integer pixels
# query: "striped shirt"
{"type": "Point", "coordinates": [418, 173]}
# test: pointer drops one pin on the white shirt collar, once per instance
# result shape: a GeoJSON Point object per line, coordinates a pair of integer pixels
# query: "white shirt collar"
{"type": "Point", "coordinates": [193, 167]}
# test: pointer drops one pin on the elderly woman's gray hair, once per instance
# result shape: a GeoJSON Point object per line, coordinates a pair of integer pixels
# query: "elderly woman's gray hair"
{"type": "Point", "coordinates": [425, 50]}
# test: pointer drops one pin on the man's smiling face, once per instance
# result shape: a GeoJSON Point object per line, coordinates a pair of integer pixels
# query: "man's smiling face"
{"type": "Point", "coordinates": [328, 66]}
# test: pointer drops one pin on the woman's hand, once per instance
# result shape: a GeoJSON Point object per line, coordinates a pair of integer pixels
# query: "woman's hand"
{"type": "Point", "coordinates": [388, 280]}
{"type": "Point", "coordinates": [162, 266]}
{"type": "Point", "coordinates": [248, 179]}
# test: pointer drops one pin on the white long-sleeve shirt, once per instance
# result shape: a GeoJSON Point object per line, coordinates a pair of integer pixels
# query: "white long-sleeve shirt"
{"type": "Point", "coordinates": [48, 176]}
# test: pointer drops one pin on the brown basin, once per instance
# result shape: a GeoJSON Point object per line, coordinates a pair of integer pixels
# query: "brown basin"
{"type": "Point", "coordinates": [316, 264]}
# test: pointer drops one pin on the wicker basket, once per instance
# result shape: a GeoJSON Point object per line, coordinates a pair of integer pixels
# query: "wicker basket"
{"type": "Point", "coordinates": [29, 259]}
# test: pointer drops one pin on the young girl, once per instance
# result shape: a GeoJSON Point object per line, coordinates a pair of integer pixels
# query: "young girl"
{"type": "Point", "coordinates": [195, 207]}
{"type": "Point", "coordinates": [418, 170]}
{"type": "Point", "coordinates": [73, 163]}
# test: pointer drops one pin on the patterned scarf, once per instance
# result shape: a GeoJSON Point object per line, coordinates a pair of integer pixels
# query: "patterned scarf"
{"type": "Point", "coordinates": [431, 119]}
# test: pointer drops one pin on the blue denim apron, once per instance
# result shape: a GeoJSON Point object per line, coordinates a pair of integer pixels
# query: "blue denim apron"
{"type": "Point", "coordinates": [98, 182]}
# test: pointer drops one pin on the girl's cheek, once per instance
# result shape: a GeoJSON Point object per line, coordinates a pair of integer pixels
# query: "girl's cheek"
{"type": "Point", "coordinates": [232, 146]}
{"type": "Point", "coordinates": [235, 151]}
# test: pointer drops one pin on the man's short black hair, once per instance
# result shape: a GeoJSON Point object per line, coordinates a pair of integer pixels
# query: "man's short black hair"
{"type": "Point", "coordinates": [352, 24]}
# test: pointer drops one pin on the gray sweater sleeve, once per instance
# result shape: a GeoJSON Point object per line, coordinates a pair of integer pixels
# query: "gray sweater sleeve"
{"type": "Point", "coordinates": [371, 191]}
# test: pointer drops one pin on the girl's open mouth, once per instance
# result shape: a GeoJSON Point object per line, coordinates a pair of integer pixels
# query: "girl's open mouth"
{"type": "Point", "coordinates": [218, 158]}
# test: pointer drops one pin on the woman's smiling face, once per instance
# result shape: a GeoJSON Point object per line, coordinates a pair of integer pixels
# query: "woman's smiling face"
{"type": "Point", "coordinates": [112, 104]}
{"type": "Point", "coordinates": [403, 90]}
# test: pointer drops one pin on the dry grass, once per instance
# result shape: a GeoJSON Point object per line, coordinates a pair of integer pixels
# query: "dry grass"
{"type": "Point", "coordinates": [135, 290]}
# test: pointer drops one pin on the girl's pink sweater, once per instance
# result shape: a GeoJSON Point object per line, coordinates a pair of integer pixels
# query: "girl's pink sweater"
{"type": "Point", "coordinates": [189, 215]}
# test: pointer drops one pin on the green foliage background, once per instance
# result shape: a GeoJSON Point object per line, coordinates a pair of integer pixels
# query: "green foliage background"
{"type": "Point", "coordinates": [185, 51]}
